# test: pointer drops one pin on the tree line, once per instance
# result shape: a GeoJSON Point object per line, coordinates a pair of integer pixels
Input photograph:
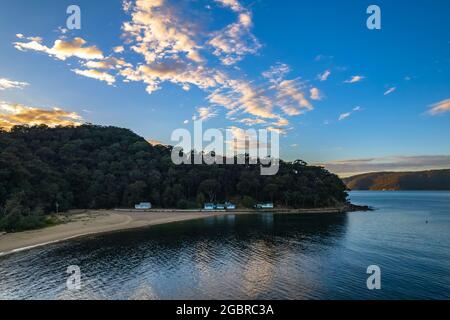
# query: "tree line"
{"type": "Point", "coordinates": [43, 169]}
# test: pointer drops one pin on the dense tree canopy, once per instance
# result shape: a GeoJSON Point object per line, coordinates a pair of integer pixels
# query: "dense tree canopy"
{"type": "Point", "coordinates": [94, 167]}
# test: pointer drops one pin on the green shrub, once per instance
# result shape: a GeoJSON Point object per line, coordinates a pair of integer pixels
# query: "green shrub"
{"type": "Point", "coordinates": [248, 202]}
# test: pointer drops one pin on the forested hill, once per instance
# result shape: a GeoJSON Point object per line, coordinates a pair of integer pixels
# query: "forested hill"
{"type": "Point", "coordinates": [423, 180]}
{"type": "Point", "coordinates": [107, 167]}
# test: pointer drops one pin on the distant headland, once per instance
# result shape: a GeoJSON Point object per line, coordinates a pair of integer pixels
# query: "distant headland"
{"type": "Point", "coordinates": [433, 180]}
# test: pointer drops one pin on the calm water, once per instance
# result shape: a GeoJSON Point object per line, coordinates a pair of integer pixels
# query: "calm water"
{"type": "Point", "coordinates": [255, 257]}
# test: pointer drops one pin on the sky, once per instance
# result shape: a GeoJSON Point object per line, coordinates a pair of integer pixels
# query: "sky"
{"type": "Point", "coordinates": [343, 96]}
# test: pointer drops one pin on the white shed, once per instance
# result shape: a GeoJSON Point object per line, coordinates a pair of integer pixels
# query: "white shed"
{"type": "Point", "coordinates": [143, 206]}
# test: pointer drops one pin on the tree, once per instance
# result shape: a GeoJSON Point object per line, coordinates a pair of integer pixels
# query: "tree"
{"type": "Point", "coordinates": [209, 187]}
{"type": "Point", "coordinates": [248, 202]}
{"type": "Point", "coordinates": [200, 200]}
{"type": "Point", "coordinates": [270, 190]}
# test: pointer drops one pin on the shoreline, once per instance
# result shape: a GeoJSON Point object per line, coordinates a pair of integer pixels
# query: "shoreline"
{"type": "Point", "coordinates": [95, 222]}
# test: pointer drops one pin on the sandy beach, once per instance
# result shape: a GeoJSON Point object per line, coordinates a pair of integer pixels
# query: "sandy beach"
{"type": "Point", "coordinates": [103, 221]}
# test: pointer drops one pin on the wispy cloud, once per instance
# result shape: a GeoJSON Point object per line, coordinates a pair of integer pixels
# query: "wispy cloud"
{"type": "Point", "coordinates": [277, 72]}
{"type": "Point", "coordinates": [205, 113]}
{"type": "Point", "coordinates": [324, 76]}
{"type": "Point", "coordinates": [322, 57]}
{"type": "Point", "coordinates": [119, 49]}
{"type": "Point", "coordinates": [177, 72]}
{"type": "Point", "coordinates": [244, 140]}
{"type": "Point", "coordinates": [233, 4]}
{"type": "Point", "coordinates": [96, 74]}
{"type": "Point", "coordinates": [393, 163]}
{"type": "Point", "coordinates": [439, 107]}
{"type": "Point", "coordinates": [10, 84]}
{"type": "Point", "coordinates": [62, 49]}
{"type": "Point", "coordinates": [355, 79]}
{"type": "Point", "coordinates": [315, 94]}
{"type": "Point", "coordinates": [346, 115]}
{"type": "Point", "coordinates": [291, 98]}
{"type": "Point", "coordinates": [252, 122]}
{"type": "Point", "coordinates": [108, 63]}
{"type": "Point", "coordinates": [236, 41]}
{"type": "Point", "coordinates": [155, 32]}
{"type": "Point", "coordinates": [12, 114]}
{"type": "Point", "coordinates": [390, 90]}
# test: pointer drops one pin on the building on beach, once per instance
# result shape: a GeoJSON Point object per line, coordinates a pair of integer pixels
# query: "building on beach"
{"type": "Point", "coordinates": [268, 205]}
{"type": "Point", "coordinates": [143, 206]}
{"type": "Point", "coordinates": [209, 206]}
{"type": "Point", "coordinates": [219, 206]}
{"type": "Point", "coordinates": [230, 206]}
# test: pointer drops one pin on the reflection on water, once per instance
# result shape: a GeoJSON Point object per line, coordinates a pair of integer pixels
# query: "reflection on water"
{"type": "Point", "coordinates": [262, 256]}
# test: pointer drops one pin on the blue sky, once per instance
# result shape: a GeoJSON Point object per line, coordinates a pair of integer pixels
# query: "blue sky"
{"type": "Point", "coordinates": [236, 63]}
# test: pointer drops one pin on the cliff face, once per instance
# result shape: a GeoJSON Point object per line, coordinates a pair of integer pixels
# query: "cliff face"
{"type": "Point", "coordinates": [422, 180]}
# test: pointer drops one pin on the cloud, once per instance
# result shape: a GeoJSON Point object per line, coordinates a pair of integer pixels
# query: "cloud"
{"type": "Point", "coordinates": [242, 96]}
{"type": "Point", "coordinates": [235, 41]}
{"type": "Point", "coordinates": [281, 122]}
{"type": "Point", "coordinates": [262, 101]}
{"type": "Point", "coordinates": [9, 84]}
{"type": "Point", "coordinates": [177, 72]}
{"type": "Point", "coordinates": [390, 90]}
{"type": "Point", "coordinates": [119, 49]}
{"type": "Point", "coordinates": [315, 94]}
{"type": "Point", "coordinates": [355, 79]}
{"type": "Point", "coordinates": [12, 114]}
{"type": "Point", "coordinates": [439, 107]}
{"type": "Point", "coordinates": [252, 121]}
{"type": "Point", "coordinates": [324, 76]}
{"type": "Point", "coordinates": [233, 4]}
{"type": "Point", "coordinates": [205, 113]}
{"type": "Point", "coordinates": [277, 73]}
{"type": "Point", "coordinates": [95, 74]}
{"type": "Point", "coordinates": [289, 94]}
{"type": "Point", "coordinates": [322, 57]}
{"type": "Point", "coordinates": [244, 140]}
{"type": "Point", "coordinates": [108, 63]}
{"type": "Point", "coordinates": [392, 163]}
{"type": "Point", "coordinates": [291, 98]}
{"type": "Point", "coordinates": [346, 115]}
{"type": "Point", "coordinates": [62, 30]}
{"type": "Point", "coordinates": [280, 131]}
{"type": "Point", "coordinates": [62, 49]}
{"type": "Point", "coordinates": [92, 57]}
{"type": "Point", "coordinates": [157, 33]}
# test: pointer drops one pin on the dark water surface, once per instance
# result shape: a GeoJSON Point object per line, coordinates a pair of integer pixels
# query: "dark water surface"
{"type": "Point", "coordinates": [255, 257]}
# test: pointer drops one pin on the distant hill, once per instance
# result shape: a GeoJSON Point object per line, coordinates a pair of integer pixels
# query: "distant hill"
{"type": "Point", "coordinates": [421, 180]}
